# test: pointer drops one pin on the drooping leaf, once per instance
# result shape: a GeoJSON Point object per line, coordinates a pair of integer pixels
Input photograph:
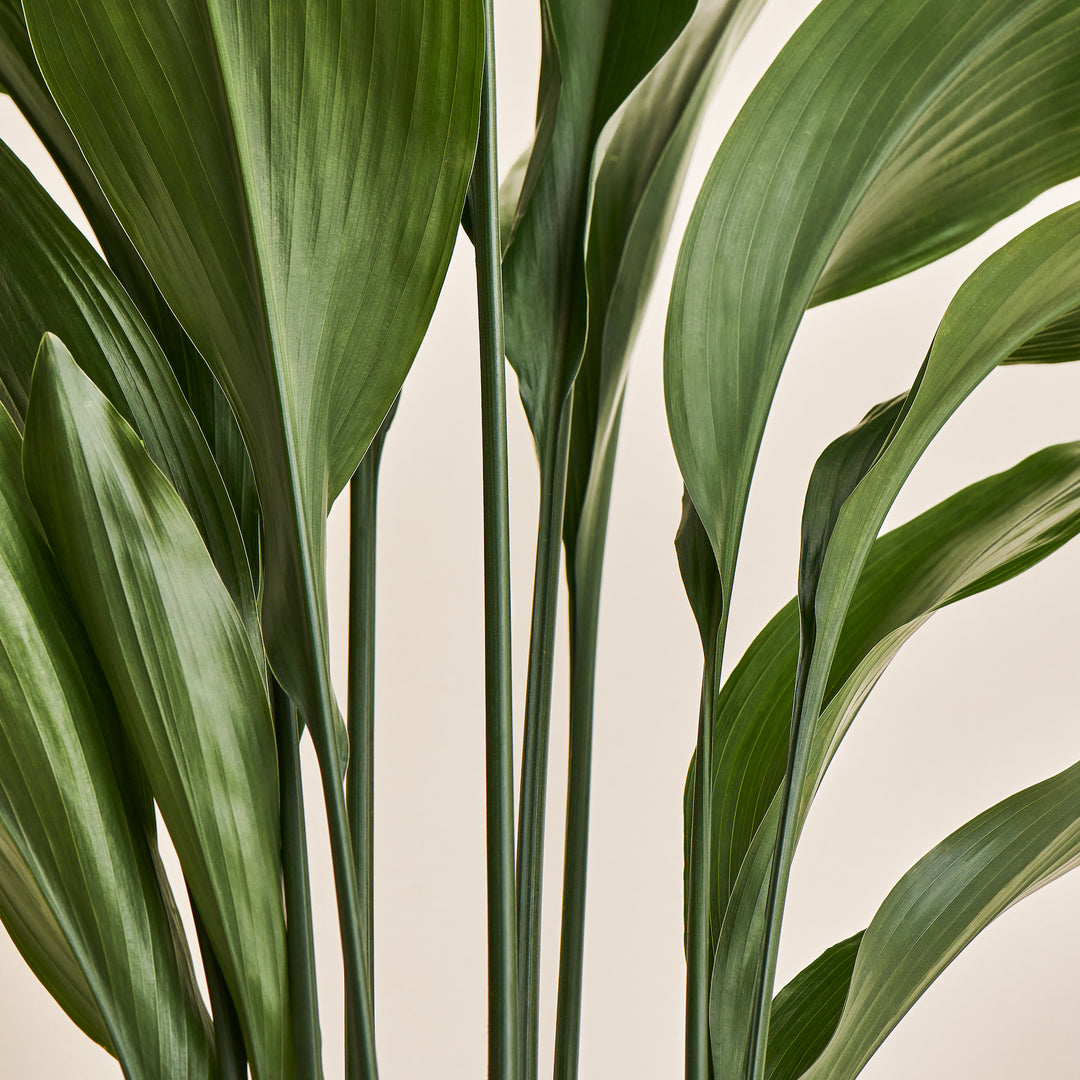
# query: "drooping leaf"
{"type": "Point", "coordinates": [297, 178]}
{"type": "Point", "coordinates": [806, 1012]}
{"type": "Point", "coordinates": [942, 903]}
{"type": "Point", "coordinates": [874, 143]}
{"type": "Point", "coordinates": [978, 538]}
{"type": "Point", "coordinates": [188, 688]}
{"type": "Point", "coordinates": [20, 75]}
{"type": "Point", "coordinates": [78, 887]}
{"type": "Point", "coordinates": [51, 279]}
{"type": "Point", "coordinates": [1016, 294]}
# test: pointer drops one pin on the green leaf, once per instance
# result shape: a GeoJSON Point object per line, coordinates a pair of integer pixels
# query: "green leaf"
{"type": "Point", "coordinates": [79, 890]}
{"type": "Point", "coordinates": [885, 134]}
{"type": "Point", "coordinates": [943, 902]}
{"type": "Point", "coordinates": [189, 689]}
{"type": "Point", "coordinates": [293, 178]}
{"type": "Point", "coordinates": [978, 538]}
{"type": "Point", "coordinates": [806, 1012]}
{"type": "Point", "coordinates": [20, 74]}
{"type": "Point", "coordinates": [594, 53]}
{"type": "Point", "coordinates": [51, 279]}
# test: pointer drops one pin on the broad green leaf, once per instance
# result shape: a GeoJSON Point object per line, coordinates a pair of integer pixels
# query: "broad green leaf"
{"type": "Point", "coordinates": [594, 53]}
{"type": "Point", "coordinates": [188, 688]}
{"type": "Point", "coordinates": [293, 178]}
{"type": "Point", "coordinates": [885, 134]}
{"type": "Point", "coordinates": [638, 167]}
{"type": "Point", "coordinates": [1020, 291]}
{"type": "Point", "coordinates": [806, 1012]}
{"type": "Point", "coordinates": [943, 902]}
{"type": "Point", "coordinates": [79, 890]}
{"type": "Point", "coordinates": [51, 279]}
{"type": "Point", "coordinates": [20, 75]}
{"type": "Point", "coordinates": [979, 537]}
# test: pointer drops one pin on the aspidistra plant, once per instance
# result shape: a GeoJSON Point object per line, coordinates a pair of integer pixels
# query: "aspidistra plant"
{"type": "Point", "coordinates": [276, 190]}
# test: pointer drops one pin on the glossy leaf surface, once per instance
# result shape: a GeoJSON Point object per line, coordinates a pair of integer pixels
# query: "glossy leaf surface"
{"type": "Point", "coordinates": [293, 177]}
{"type": "Point", "coordinates": [864, 151]}
{"type": "Point", "coordinates": [52, 280]}
{"type": "Point", "coordinates": [189, 690]}
{"type": "Point", "coordinates": [80, 894]}
{"type": "Point", "coordinates": [943, 902]}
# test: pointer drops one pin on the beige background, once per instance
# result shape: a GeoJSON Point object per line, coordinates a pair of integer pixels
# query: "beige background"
{"type": "Point", "coordinates": [981, 703]}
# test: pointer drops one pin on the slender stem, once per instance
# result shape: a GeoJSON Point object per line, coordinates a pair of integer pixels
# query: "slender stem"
{"type": "Point", "coordinates": [534, 755]}
{"type": "Point", "coordinates": [299, 938]}
{"type": "Point", "coordinates": [698, 944]}
{"type": "Point", "coordinates": [228, 1036]}
{"type": "Point", "coordinates": [504, 1053]}
{"type": "Point", "coordinates": [360, 773]}
{"type": "Point", "coordinates": [794, 775]}
{"type": "Point", "coordinates": [583, 629]}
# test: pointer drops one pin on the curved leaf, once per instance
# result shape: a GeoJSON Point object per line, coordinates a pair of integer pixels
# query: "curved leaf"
{"type": "Point", "coordinates": [79, 890]}
{"type": "Point", "coordinates": [51, 279]}
{"type": "Point", "coordinates": [20, 75]}
{"type": "Point", "coordinates": [875, 113]}
{"type": "Point", "coordinates": [189, 690]}
{"type": "Point", "coordinates": [293, 177]}
{"type": "Point", "coordinates": [979, 537]}
{"type": "Point", "coordinates": [594, 53]}
{"type": "Point", "coordinates": [943, 902]}
{"type": "Point", "coordinates": [806, 1012]}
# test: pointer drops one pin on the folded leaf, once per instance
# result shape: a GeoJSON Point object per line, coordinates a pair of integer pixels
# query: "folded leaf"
{"type": "Point", "coordinates": [296, 183]}
{"type": "Point", "coordinates": [188, 688]}
{"type": "Point", "coordinates": [885, 134]}
{"type": "Point", "coordinates": [806, 1012]}
{"type": "Point", "coordinates": [78, 886]}
{"type": "Point", "coordinates": [53, 280]}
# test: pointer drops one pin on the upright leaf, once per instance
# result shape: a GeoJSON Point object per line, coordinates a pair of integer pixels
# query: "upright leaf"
{"type": "Point", "coordinates": [876, 142]}
{"type": "Point", "coordinates": [51, 279]}
{"type": "Point", "coordinates": [295, 184]}
{"type": "Point", "coordinates": [78, 887]}
{"type": "Point", "coordinates": [21, 77]}
{"type": "Point", "coordinates": [188, 687]}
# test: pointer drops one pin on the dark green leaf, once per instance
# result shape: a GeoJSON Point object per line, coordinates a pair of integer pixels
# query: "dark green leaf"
{"type": "Point", "coordinates": [806, 1012]}
{"type": "Point", "coordinates": [189, 689]}
{"type": "Point", "coordinates": [79, 889]}
{"type": "Point", "coordinates": [876, 140]}
{"type": "Point", "coordinates": [293, 178]}
{"type": "Point", "coordinates": [51, 279]}
{"type": "Point", "coordinates": [943, 902]}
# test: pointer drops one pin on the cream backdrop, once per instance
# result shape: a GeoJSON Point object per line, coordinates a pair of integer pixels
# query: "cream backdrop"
{"type": "Point", "coordinates": [981, 703]}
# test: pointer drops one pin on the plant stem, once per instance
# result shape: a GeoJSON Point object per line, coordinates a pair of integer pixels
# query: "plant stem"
{"type": "Point", "coordinates": [299, 938]}
{"type": "Point", "coordinates": [698, 939]}
{"type": "Point", "coordinates": [504, 1052]}
{"type": "Point", "coordinates": [583, 630]}
{"type": "Point", "coordinates": [360, 773]}
{"type": "Point", "coordinates": [228, 1037]}
{"type": "Point", "coordinates": [794, 775]}
{"type": "Point", "coordinates": [534, 754]}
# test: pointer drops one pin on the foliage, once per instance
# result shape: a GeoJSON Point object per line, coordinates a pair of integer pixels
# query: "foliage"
{"type": "Point", "coordinates": [276, 192]}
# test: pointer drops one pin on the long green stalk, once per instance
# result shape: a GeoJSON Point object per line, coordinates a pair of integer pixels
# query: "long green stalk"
{"type": "Point", "coordinates": [504, 1053]}
{"type": "Point", "coordinates": [534, 754]}
{"type": "Point", "coordinates": [300, 942]}
{"type": "Point", "coordinates": [698, 953]}
{"type": "Point", "coordinates": [231, 1057]}
{"type": "Point", "coordinates": [583, 634]}
{"type": "Point", "coordinates": [360, 773]}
